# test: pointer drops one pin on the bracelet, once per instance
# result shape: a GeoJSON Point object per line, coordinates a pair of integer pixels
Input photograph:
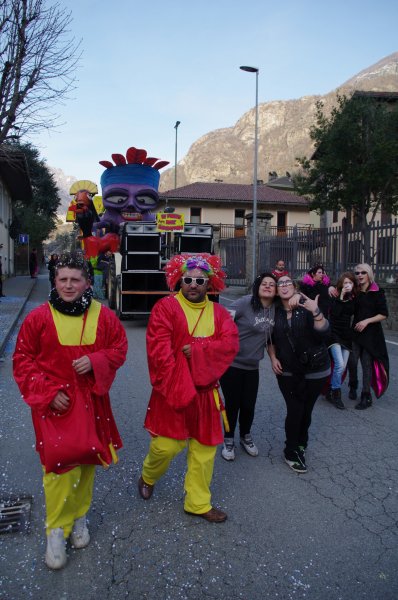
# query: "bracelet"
{"type": "Point", "coordinates": [317, 313]}
{"type": "Point", "coordinates": [321, 319]}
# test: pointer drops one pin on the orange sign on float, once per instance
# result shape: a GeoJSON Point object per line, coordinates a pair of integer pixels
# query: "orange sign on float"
{"type": "Point", "coordinates": [169, 222]}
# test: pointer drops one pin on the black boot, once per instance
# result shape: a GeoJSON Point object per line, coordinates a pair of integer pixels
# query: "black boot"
{"type": "Point", "coordinates": [353, 390]}
{"type": "Point", "coordinates": [365, 402]}
{"type": "Point", "coordinates": [336, 398]}
{"type": "Point", "coordinates": [328, 395]}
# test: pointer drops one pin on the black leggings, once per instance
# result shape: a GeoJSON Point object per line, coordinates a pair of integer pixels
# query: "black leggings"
{"type": "Point", "coordinates": [359, 352]}
{"type": "Point", "coordinates": [299, 408]}
{"type": "Point", "coordinates": [240, 387]}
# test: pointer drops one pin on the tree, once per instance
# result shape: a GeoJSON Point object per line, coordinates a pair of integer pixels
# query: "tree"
{"type": "Point", "coordinates": [39, 216]}
{"type": "Point", "coordinates": [37, 62]}
{"type": "Point", "coordinates": [355, 163]}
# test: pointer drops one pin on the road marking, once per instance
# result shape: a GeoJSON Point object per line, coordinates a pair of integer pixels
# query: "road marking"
{"type": "Point", "coordinates": [389, 342]}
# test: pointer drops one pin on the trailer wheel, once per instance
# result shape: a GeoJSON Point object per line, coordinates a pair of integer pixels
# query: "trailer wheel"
{"type": "Point", "coordinates": [112, 283]}
{"type": "Point", "coordinates": [118, 303]}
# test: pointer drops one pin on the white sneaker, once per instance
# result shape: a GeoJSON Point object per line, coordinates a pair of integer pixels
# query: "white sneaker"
{"type": "Point", "coordinates": [55, 553]}
{"type": "Point", "coordinates": [80, 537]}
{"type": "Point", "coordinates": [228, 449]}
{"type": "Point", "coordinates": [247, 443]}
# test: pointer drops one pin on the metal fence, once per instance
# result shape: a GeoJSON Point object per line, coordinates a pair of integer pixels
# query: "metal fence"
{"type": "Point", "coordinates": [337, 248]}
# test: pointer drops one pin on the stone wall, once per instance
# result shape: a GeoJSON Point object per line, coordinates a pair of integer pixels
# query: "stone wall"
{"type": "Point", "coordinates": [391, 290]}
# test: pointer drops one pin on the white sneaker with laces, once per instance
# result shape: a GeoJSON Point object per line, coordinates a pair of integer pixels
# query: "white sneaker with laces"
{"type": "Point", "coordinates": [228, 449]}
{"type": "Point", "coordinates": [247, 444]}
{"type": "Point", "coordinates": [80, 536]}
{"type": "Point", "coordinates": [56, 553]}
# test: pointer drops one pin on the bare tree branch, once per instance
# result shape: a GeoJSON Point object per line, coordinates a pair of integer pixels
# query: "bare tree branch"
{"type": "Point", "coordinates": [38, 59]}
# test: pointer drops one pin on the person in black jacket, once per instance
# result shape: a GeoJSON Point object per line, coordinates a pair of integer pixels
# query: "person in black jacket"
{"type": "Point", "coordinates": [301, 362]}
{"type": "Point", "coordinates": [316, 283]}
{"type": "Point", "coordinates": [370, 310]}
{"type": "Point", "coordinates": [340, 343]}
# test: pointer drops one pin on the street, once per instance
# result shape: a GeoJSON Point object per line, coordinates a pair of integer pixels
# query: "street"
{"type": "Point", "coordinates": [330, 534]}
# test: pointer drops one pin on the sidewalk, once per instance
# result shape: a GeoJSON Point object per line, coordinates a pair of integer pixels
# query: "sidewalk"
{"type": "Point", "coordinates": [17, 291]}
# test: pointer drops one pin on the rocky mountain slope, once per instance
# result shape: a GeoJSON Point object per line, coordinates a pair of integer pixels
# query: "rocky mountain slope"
{"type": "Point", "coordinates": [227, 154]}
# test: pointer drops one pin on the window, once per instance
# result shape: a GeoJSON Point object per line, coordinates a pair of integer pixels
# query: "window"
{"type": "Point", "coordinates": [281, 218]}
{"type": "Point", "coordinates": [239, 219]}
{"type": "Point", "coordinates": [196, 215]}
{"type": "Point", "coordinates": [335, 217]}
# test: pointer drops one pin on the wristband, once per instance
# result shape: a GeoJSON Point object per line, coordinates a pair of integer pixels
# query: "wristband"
{"type": "Point", "coordinates": [317, 313]}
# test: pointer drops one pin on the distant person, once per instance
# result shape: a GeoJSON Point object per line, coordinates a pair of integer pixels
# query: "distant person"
{"type": "Point", "coordinates": [316, 283]}
{"type": "Point", "coordinates": [280, 269]}
{"type": "Point", "coordinates": [66, 357]}
{"type": "Point", "coordinates": [191, 341]}
{"type": "Point", "coordinates": [51, 268]}
{"type": "Point", "coordinates": [1, 275]}
{"type": "Point", "coordinates": [369, 344]}
{"type": "Point", "coordinates": [254, 316]}
{"type": "Point", "coordinates": [340, 342]}
{"type": "Point", "coordinates": [33, 264]}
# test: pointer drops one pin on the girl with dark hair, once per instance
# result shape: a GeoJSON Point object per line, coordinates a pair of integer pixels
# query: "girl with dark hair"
{"type": "Point", "coordinates": [254, 317]}
{"type": "Point", "coordinates": [316, 283]}
{"type": "Point", "coordinates": [340, 344]}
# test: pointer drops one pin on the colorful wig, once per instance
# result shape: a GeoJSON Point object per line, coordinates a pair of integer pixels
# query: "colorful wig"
{"type": "Point", "coordinates": [210, 264]}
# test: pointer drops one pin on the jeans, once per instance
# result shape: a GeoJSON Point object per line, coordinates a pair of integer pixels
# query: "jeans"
{"type": "Point", "coordinates": [299, 404]}
{"type": "Point", "coordinates": [340, 358]}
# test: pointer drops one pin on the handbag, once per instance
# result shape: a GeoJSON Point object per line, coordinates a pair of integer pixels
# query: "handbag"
{"type": "Point", "coordinates": [315, 358]}
{"type": "Point", "coordinates": [70, 439]}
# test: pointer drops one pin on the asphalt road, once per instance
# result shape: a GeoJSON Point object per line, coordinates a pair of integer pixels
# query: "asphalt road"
{"type": "Point", "coordinates": [328, 535]}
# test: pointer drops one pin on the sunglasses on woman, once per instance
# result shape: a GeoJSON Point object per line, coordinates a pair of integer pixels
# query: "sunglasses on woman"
{"type": "Point", "coordinates": [197, 280]}
{"type": "Point", "coordinates": [360, 273]}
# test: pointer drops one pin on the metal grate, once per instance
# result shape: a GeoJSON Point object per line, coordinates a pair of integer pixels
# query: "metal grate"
{"type": "Point", "coordinates": [15, 515]}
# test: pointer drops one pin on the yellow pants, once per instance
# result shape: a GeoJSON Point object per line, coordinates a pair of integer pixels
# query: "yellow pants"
{"type": "Point", "coordinates": [200, 463]}
{"type": "Point", "coordinates": [68, 496]}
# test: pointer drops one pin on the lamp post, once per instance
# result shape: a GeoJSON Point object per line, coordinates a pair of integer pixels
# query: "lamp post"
{"type": "Point", "coordinates": [175, 156]}
{"type": "Point", "coordinates": [254, 228]}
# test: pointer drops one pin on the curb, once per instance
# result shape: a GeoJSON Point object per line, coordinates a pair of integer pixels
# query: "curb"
{"type": "Point", "coordinates": [15, 320]}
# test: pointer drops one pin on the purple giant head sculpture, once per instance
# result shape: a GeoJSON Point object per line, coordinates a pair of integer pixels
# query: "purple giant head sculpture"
{"type": "Point", "coordinates": [130, 188]}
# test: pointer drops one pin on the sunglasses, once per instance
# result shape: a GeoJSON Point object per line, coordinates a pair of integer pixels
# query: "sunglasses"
{"type": "Point", "coordinates": [197, 280]}
{"type": "Point", "coordinates": [284, 283]}
{"type": "Point", "coordinates": [360, 273]}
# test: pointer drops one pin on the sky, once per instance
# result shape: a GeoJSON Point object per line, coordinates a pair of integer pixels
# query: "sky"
{"type": "Point", "coordinates": [146, 65]}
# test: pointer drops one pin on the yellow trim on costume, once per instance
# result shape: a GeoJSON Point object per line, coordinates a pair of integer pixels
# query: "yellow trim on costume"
{"type": "Point", "coordinates": [205, 327]}
{"type": "Point", "coordinates": [221, 410]}
{"type": "Point", "coordinates": [69, 329]}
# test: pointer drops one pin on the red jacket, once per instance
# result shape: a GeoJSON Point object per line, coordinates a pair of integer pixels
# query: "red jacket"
{"type": "Point", "coordinates": [182, 404]}
{"type": "Point", "coordinates": [42, 367]}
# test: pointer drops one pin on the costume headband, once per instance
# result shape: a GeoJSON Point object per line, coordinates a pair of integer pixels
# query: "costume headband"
{"type": "Point", "coordinates": [210, 264]}
{"type": "Point", "coordinates": [136, 168]}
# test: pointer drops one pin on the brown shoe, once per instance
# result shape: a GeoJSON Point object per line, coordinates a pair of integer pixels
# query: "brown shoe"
{"type": "Point", "coordinates": [213, 515]}
{"type": "Point", "coordinates": [145, 489]}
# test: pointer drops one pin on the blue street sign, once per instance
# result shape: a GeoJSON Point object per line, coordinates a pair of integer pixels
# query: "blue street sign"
{"type": "Point", "coordinates": [23, 238]}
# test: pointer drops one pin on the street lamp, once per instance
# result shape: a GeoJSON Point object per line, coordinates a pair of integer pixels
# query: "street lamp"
{"type": "Point", "coordinates": [175, 156]}
{"type": "Point", "coordinates": [256, 71]}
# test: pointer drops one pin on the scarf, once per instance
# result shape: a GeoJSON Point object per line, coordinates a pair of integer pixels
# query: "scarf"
{"type": "Point", "coordinates": [73, 309]}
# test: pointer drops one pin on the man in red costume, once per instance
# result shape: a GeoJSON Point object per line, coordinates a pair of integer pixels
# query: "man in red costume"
{"type": "Point", "coordinates": [191, 342]}
{"type": "Point", "coordinates": [66, 357]}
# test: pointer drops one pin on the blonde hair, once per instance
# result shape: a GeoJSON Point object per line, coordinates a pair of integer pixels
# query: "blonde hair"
{"type": "Point", "coordinates": [368, 269]}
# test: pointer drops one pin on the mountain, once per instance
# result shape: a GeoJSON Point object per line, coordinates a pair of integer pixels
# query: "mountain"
{"type": "Point", "coordinates": [283, 128]}
{"type": "Point", "coordinates": [227, 154]}
{"type": "Point", "coordinates": [63, 183]}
